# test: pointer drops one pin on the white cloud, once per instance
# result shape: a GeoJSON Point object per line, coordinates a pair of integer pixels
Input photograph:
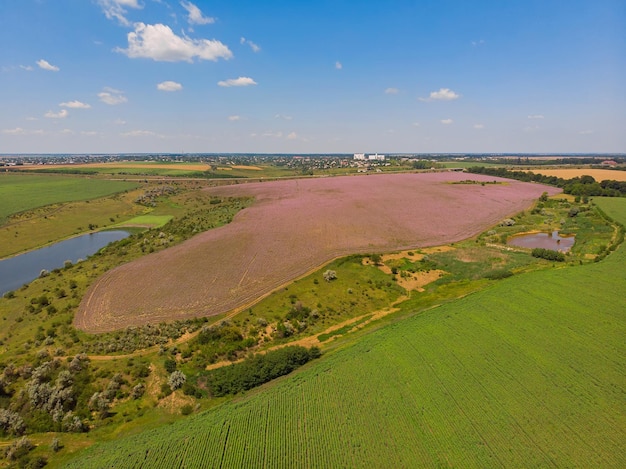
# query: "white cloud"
{"type": "Point", "coordinates": [141, 133]}
{"type": "Point", "coordinates": [195, 15]}
{"type": "Point", "coordinates": [75, 105]}
{"type": "Point", "coordinates": [446, 121]}
{"type": "Point", "coordinates": [292, 136]}
{"type": "Point", "coordinates": [67, 132]}
{"type": "Point", "coordinates": [116, 9]}
{"type": "Point", "coordinates": [15, 131]}
{"type": "Point", "coordinates": [392, 91]}
{"type": "Point", "coordinates": [28, 68]}
{"type": "Point", "coordinates": [234, 118]}
{"type": "Point", "coordinates": [338, 65]}
{"type": "Point", "coordinates": [272, 134]}
{"type": "Point", "coordinates": [253, 46]}
{"type": "Point", "coordinates": [536, 116]}
{"type": "Point", "coordinates": [62, 114]}
{"type": "Point", "coordinates": [444, 94]}
{"type": "Point", "coordinates": [112, 96]}
{"type": "Point", "coordinates": [89, 133]}
{"type": "Point", "coordinates": [169, 86]}
{"type": "Point", "coordinates": [241, 81]}
{"type": "Point", "coordinates": [282, 116]}
{"type": "Point", "coordinates": [158, 42]}
{"type": "Point", "coordinates": [30, 118]}
{"type": "Point", "coordinates": [478, 43]}
{"type": "Point", "coordinates": [479, 126]}
{"type": "Point", "coordinates": [47, 66]}
{"type": "Point", "coordinates": [119, 122]}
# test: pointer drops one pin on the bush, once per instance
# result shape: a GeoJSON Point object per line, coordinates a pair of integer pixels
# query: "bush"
{"type": "Point", "coordinates": [329, 275]}
{"type": "Point", "coordinates": [176, 380]}
{"type": "Point", "coordinates": [498, 274]}
{"type": "Point", "coordinates": [548, 254]}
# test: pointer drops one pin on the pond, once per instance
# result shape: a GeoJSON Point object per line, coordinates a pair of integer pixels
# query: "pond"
{"type": "Point", "coordinates": [552, 241]}
{"type": "Point", "coordinates": [18, 270]}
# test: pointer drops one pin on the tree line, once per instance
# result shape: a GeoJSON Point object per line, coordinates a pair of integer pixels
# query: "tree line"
{"type": "Point", "coordinates": [584, 186]}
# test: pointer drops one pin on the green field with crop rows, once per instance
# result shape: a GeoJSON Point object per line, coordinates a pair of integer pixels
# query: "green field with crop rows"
{"type": "Point", "coordinates": [530, 372]}
{"type": "Point", "coordinates": [19, 192]}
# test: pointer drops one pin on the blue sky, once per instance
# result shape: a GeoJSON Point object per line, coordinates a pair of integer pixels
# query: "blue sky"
{"type": "Point", "coordinates": [103, 76]}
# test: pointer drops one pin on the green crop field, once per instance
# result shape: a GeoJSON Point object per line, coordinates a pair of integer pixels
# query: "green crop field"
{"type": "Point", "coordinates": [527, 373]}
{"type": "Point", "coordinates": [20, 192]}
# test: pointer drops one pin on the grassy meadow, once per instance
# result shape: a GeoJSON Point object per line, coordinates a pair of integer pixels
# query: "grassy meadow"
{"type": "Point", "coordinates": [526, 373]}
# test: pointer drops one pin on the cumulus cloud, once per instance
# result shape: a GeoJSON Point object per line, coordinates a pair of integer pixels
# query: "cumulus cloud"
{"type": "Point", "coordinates": [158, 42]}
{"type": "Point", "coordinates": [444, 94]}
{"type": "Point", "coordinates": [47, 66]}
{"type": "Point", "coordinates": [446, 121]}
{"type": "Point", "coordinates": [392, 91]}
{"type": "Point", "coordinates": [479, 126]}
{"type": "Point", "coordinates": [195, 15]}
{"type": "Point", "coordinates": [241, 81]}
{"type": "Point", "coordinates": [116, 9]}
{"type": "Point", "coordinates": [234, 118]}
{"type": "Point", "coordinates": [75, 105]}
{"type": "Point", "coordinates": [536, 116]}
{"type": "Point", "coordinates": [338, 65]}
{"type": "Point", "coordinates": [169, 86]}
{"type": "Point", "coordinates": [112, 96]}
{"type": "Point", "coordinates": [292, 136]}
{"type": "Point", "coordinates": [62, 114]}
{"type": "Point", "coordinates": [253, 46]}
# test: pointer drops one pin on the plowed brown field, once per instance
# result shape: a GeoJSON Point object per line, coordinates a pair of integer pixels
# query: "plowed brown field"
{"type": "Point", "coordinates": [295, 226]}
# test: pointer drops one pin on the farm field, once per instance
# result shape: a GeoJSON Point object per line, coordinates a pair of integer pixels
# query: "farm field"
{"type": "Point", "coordinates": [527, 373]}
{"type": "Point", "coordinates": [294, 227]}
{"type": "Point", "coordinates": [163, 169]}
{"type": "Point", "coordinates": [20, 192]}
{"type": "Point", "coordinates": [598, 174]}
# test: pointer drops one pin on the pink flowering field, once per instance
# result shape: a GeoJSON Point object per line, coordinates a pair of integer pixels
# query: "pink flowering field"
{"type": "Point", "coordinates": [293, 227]}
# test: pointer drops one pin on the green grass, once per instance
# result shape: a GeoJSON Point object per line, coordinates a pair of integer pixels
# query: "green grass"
{"type": "Point", "coordinates": [153, 221]}
{"type": "Point", "coordinates": [526, 373]}
{"type": "Point", "coordinates": [20, 192]}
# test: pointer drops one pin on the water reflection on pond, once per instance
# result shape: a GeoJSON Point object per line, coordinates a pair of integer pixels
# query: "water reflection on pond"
{"type": "Point", "coordinates": [18, 270]}
{"type": "Point", "coordinates": [552, 241]}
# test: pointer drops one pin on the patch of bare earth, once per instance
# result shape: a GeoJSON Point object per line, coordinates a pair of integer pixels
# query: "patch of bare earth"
{"type": "Point", "coordinates": [293, 227]}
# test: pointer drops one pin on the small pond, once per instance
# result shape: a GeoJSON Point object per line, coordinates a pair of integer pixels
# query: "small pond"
{"type": "Point", "coordinates": [551, 241]}
{"type": "Point", "coordinates": [18, 270]}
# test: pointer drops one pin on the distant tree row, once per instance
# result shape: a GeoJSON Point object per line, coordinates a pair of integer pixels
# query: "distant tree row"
{"type": "Point", "coordinates": [585, 186]}
{"type": "Point", "coordinates": [258, 369]}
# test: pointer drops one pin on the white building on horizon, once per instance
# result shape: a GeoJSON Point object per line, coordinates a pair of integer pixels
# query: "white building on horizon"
{"type": "Point", "coordinates": [376, 157]}
{"type": "Point", "coordinates": [359, 156]}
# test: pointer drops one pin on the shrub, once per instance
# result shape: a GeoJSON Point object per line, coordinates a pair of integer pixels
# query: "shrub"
{"type": "Point", "coordinates": [176, 380]}
{"type": "Point", "coordinates": [548, 254]}
{"type": "Point", "coordinates": [329, 275]}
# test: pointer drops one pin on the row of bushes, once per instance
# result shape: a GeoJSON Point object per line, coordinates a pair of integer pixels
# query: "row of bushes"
{"type": "Point", "coordinates": [258, 369]}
